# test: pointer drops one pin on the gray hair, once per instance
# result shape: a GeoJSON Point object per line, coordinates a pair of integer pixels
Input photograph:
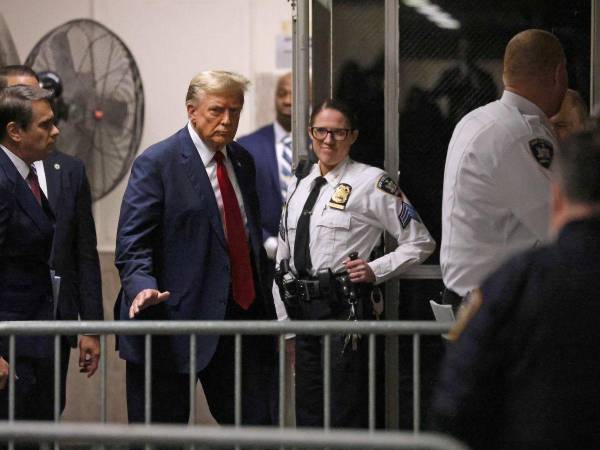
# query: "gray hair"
{"type": "Point", "coordinates": [16, 105]}
{"type": "Point", "coordinates": [216, 82]}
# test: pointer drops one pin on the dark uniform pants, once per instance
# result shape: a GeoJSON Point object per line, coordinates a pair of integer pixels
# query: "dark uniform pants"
{"type": "Point", "coordinates": [349, 376]}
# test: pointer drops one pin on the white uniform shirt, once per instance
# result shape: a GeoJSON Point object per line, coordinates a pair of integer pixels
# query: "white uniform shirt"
{"type": "Point", "coordinates": [496, 192]}
{"type": "Point", "coordinates": [367, 212]}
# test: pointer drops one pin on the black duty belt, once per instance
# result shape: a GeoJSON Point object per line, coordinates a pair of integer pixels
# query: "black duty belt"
{"type": "Point", "coordinates": [314, 288]}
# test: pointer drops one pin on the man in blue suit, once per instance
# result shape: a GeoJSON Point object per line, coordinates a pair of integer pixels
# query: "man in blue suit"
{"type": "Point", "coordinates": [27, 133]}
{"type": "Point", "coordinates": [271, 148]}
{"type": "Point", "coordinates": [74, 256]}
{"type": "Point", "coordinates": [189, 247]}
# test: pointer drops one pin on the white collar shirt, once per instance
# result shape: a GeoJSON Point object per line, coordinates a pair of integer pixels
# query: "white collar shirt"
{"type": "Point", "coordinates": [41, 174]}
{"type": "Point", "coordinates": [496, 192]}
{"type": "Point", "coordinates": [357, 227]}
{"type": "Point", "coordinates": [210, 165]}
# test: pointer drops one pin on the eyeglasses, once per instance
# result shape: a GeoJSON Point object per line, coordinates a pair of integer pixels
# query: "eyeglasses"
{"type": "Point", "coordinates": [338, 134]}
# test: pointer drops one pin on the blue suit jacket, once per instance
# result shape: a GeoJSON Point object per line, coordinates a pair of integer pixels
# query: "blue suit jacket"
{"type": "Point", "coordinates": [171, 238]}
{"type": "Point", "coordinates": [523, 374]}
{"type": "Point", "coordinates": [261, 145]}
{"type": "Point", "coordinates": [74, 254]}
{"type": "Point", "coordinates": [26, 231]}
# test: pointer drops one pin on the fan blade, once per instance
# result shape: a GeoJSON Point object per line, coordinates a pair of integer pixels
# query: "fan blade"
{"type": "Point", "coordinates": [64, 65]}
{"type": "Point", "coordinates": [8, 51]}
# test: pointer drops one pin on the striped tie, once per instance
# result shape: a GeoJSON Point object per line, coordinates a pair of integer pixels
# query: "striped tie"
{"type": "Point", "coordinates": [285, 165]}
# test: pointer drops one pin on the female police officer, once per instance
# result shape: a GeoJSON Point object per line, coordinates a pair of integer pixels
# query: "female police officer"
{"type": "Point", "coordinates": [339, 207]}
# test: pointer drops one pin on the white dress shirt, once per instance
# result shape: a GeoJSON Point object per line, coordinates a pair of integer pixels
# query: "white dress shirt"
{"type": "Point", "coordinates": [41, 174]}
{"type": "Point", "coordinates": [496, 194]}
{"type": "Point", "coordinates": [208, 158]}
{"type": "Point", "coordinates": [335, 233]}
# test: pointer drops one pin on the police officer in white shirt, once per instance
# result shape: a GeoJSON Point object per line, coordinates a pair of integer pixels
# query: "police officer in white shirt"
{"type": "Point", "coordinates": [497, 175]}
{"type": "Point", "coordinates": [338, 208]}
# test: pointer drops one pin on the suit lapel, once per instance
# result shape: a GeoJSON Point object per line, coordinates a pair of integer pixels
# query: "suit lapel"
{"type": "Point", "coordinates": [53, 181]}
{"type": "Point", "coordinates": [29, 204]}
{"type": "Point", "coordinates": [25, 197]}
{"type": "Point", "coordinates": [196, 172]}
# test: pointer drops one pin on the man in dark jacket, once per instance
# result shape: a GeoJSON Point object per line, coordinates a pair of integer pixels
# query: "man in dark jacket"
{"type": "Point", "coordinates": [74, 257]}
{"type": "Point", "coordinates": [523, 373]}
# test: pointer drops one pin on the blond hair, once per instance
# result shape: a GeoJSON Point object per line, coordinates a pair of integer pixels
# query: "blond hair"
{"type": "Point", "coordinates": [216, 82]}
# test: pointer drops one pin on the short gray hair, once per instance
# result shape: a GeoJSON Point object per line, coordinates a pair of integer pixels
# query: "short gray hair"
{"type": "Point", "coordinates": [216, 82]}
{"type": "Point", "coordinates": [15, 105]}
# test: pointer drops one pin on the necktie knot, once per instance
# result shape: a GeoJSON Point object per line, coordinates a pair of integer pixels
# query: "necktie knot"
{"type": "Point", "coordinates": [319, 181]}
{"type": "Point", "coordinates": [32, 172]}
{"type": "Point", "coordinates": [219, 157]}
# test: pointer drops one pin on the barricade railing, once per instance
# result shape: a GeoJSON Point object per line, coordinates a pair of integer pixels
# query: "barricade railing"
{"type": "Point", "coordinates": [236, 328]}
{"type": "Point", "coordinates": [253, 437]}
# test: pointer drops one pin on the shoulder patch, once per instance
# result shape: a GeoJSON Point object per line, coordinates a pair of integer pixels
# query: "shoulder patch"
{"type": "Point", "coordinates": [387, 185]}
{"type": "Point", "coordinates": [340, 196]}
{"type": "Point", "coordinates": [542, 151]}
{"type": "Point", "coordinates": [408, 213]}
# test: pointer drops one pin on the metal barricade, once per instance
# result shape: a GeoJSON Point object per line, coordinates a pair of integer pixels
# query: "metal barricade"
{"type": "Point", "coordinates": [238, 329]}
{"type": "Point", "coordinates": [254, 437]}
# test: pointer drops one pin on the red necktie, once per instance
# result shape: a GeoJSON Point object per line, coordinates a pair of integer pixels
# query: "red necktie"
{"type": "Point", "coordinates": [241, 270]}
{"type": "Point", "coordinates": [34, 184]}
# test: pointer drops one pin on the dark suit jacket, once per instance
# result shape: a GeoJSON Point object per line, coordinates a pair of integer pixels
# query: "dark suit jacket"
{"type": "Point", "coordinates": [74, 254]}
{"type": "Point", "coordinates": [261, 145]}
{"type": "Point", "coordinates": [171, 238]}
{"type": "Point", "coordinates": [26, 231]}
{"type": "Point", "coordinates": [524, 374]}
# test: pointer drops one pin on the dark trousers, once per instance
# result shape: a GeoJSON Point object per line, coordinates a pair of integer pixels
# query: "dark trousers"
{"type": "Point", "coordinates": [170, 391]}
{"type": "Point", "coordinates": [349, 369]}
{"type": "Point", "coordinates": [34, 387]}
{"type": "Point", "coordinates": [349, 383]}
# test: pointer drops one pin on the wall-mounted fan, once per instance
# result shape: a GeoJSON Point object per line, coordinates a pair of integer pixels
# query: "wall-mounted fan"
{"type": "Point", "coordinates": [8, 51]}
{"type": "Point", "coordinates": [103, 93]}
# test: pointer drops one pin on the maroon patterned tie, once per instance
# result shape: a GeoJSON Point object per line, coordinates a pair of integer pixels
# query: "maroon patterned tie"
{"type": "Point", "coordinates": [241, 270]}
{"type": "Point", "coordinates": [34, 184]}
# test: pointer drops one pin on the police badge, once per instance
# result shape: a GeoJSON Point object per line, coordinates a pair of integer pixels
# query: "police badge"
{"type": "Point", "coordinates": [340, 196]}
{"type": "Point", "coordinates": [542, 151]}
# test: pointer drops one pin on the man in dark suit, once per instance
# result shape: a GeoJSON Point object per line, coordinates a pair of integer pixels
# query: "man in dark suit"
{"type": "Point", "coordinates": [27, 133]}
{"type": "Point", "coordinates": [74, 256]}
{"type": "Point", "coordinates": [189, 247]}
{"type": "Point", "coordinates": [523, 373]}
{"type": "Point", "coordinates": [271, 148]}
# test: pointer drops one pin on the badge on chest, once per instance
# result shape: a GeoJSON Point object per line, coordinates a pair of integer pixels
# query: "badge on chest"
{"type": "Point", "coordinates": [340, 196]}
